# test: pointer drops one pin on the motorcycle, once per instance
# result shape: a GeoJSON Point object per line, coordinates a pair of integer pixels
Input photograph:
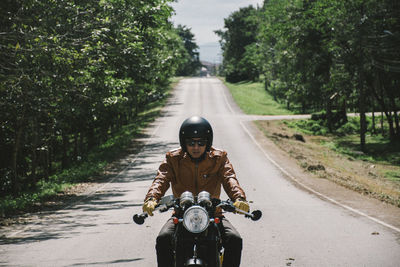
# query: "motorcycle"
{"type": "Point", "coordinates": [197, 239]}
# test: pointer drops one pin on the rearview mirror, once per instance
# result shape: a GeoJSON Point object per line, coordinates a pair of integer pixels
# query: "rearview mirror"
{"type": "Point", "coordinates": [166, 200]}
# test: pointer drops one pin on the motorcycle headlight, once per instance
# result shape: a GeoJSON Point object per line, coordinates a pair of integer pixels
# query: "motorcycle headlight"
{"type": "Point", "coordinates": [195, 219]}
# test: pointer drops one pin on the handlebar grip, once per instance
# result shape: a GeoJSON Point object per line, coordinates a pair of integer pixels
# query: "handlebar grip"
{"type": "Point", "coordinates": [139, 218]}
{"type": "Point", "coordinates": [256, 215]}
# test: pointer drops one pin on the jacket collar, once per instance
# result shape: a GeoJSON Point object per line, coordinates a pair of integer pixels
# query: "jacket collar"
{"type": "Point", "coordinates": [208, 154]}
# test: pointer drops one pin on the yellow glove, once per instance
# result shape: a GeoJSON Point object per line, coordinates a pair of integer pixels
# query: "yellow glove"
{"type": "Point", "coordinates": [149, 206]}
{"type": "Point", "coordinates": [241, 204]}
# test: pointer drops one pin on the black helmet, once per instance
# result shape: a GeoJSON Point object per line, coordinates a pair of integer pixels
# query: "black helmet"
{"type": "Point", "coordinates": [195, 127]}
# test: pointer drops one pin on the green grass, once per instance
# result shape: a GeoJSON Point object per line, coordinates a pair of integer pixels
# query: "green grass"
{"type": "Point", "coordinates": [309, 127]}
{"type": "Point", "coordinates": [253, 99]}
{"type": "Point", "coordinates": [378, 150]}
{"type": "Point", "coordinates": [393, 175]}
{"type": "Point", "coordinates": [88, 170]}
{"type": "Point", "coordinates": [346, 141]}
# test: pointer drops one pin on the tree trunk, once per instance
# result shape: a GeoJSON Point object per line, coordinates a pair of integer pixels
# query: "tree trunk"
{"type": "Point", "coordinates": [329, 115]}
{"type": "Point", "coordinates": [76, 147]}
{"type": "Point", "coordinates": [396, 127]}
{"type": "Point", "coordinates": [363, 130]}
{"type": "Point", "coordinates": [344, 112]}
{"type": "Point", "coordinates": [45, 155]}
{"type": "Point", "coordinates": [379, 95]}
{"type": "Point", "coordinates": [34, 164]}
{"type": "Point", "coordinates": [35, 157]}
{"type": "Point", "coordinates": [361, 87]}
{"type": "Point", "coordinates": [14, 157]}
{"type": "Point", "coordinates": [91, 138]}
{"type": "Point", "coordinates": [373, 121]}
{"type": "Point", "coordinates": [51, 158]}
{"type": "Point", "coordinates": [391, 127]}
{"type": "Point", "coordinates": [362, 108]}
{"type": "Point", "coordinates": [396, 120]}
{"type": "Point", "coordinates": [82, 147]}
{"type": "Point", "coordinates": [65, 145]}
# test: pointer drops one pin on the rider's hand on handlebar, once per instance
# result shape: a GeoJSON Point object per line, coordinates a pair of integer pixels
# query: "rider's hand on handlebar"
{"type": "Point", "coordinates": [149, 206]}
{"type": "Point", "coordinates": [242, 205]}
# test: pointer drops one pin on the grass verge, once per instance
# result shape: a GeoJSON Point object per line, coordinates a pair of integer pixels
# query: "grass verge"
{"type": "Point", "coordinates": [337, 159]}
{"type": "Point", "coordinates": [253, 99]}
{"type": "Point", "coordinates": [69, 181]}
{"type": "Point", "coordinates": [334, 157]}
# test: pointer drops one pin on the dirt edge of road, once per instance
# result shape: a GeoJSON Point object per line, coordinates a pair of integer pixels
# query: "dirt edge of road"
{"type": "Point", "coordinates": [351, 183]}
{"type": "Point", "coordinates": [75, 193]}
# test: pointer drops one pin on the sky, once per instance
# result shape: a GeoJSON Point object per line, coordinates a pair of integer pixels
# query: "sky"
{"type": "Point", "coordinates": [204, 17]}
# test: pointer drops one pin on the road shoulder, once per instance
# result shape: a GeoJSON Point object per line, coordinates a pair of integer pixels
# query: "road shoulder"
{"type": "Point", "coordinates": [327, 190]}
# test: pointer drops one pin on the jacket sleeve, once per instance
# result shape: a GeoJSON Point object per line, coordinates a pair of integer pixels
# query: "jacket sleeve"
{"type": "Point", "coordinates": [162, 180]}
{"type": "Point", "coordinates": [229, 181]}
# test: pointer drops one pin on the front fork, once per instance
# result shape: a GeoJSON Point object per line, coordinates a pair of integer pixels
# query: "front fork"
{"type": "Point", "coordinates": [180, 250]}
{"type": "Point", "coordinates": [194, 261]}
{"type": "Point", "coordinates": [221, 257]}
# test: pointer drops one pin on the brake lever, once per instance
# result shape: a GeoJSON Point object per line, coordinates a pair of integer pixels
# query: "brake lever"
{"type": "Point", "coordinates": [228, 206]}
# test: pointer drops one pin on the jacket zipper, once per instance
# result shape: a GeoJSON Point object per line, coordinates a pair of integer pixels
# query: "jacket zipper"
{"type": "Point", "coordinates": [195, 178]}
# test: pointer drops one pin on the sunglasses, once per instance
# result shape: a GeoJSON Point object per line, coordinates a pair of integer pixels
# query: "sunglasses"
{"type": "Point", "coordinates": [191, 142]}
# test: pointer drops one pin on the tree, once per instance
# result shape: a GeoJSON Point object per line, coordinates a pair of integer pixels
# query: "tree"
{"type": "Point", "coordinates": [359, 43]}
{"type": "Point", "coordinates": [333, 55]}
{"type": "Point", "coordinates": [191, 61]}
{"type": "Point", "coordinates": [72, 73]}
{"type": "Point", "coordinates": [239, 46]}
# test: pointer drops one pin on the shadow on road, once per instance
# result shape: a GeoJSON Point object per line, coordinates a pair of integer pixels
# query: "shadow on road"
{"type": "Point", "coordinates": [87, 213]}
{"type": "Point", "coordinates": [106, 263]}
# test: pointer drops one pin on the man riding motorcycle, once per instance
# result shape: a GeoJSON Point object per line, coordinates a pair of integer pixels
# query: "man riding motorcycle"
{"type": "Point", "coordinates": [196, 166]}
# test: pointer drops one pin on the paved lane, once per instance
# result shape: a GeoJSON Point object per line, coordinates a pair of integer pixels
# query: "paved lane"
{"type": "Point", "coordinates": [297, 228]}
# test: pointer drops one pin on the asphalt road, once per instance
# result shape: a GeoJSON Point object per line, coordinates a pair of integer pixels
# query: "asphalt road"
{"type": "Point", "coordinates": [298, 227]}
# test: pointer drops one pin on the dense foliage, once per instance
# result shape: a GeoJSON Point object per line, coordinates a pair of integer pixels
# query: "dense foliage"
{"type": "Point", "coordinates": [71, 74]}
{"type": "Point", "coordinates": [191, 64]}
{"type": "Point", "coordinates": [239, 45]}
{"type": "Point", "coordinates": [325, 55]}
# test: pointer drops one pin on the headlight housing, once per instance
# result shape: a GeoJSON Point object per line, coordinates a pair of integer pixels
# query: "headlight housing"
{"type": "Point", "coordinates": [204, 199]}
{"type": "Point", "coordinates": [195, 219]}
{"type": "Point", "coordinates": [186, 199]}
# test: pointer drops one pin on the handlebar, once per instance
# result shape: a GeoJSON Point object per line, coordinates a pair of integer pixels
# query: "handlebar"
{"type": "Point", "coordinates": [139, 218]}
{"type": "Point", "coordinates": [225, 205]}
{"type": "Point", "coordinates": [255, 215]}
{"type": "Point", "coordinates": [228, 206]}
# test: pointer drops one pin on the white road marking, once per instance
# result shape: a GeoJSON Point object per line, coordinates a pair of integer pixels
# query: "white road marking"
{"type": "Point", "coordinates": [312, 190]}
{"type": "Point", "coordinates": [294, 179]}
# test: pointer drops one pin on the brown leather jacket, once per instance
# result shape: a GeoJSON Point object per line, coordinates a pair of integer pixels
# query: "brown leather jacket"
{"type": "Point", "coordinates": [179, 170]}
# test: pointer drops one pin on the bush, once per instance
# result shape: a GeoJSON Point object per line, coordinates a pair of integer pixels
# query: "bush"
{"type": "Point", "coordinates": [315, 128]}
{"type": "Point", "coordinates": [318, 116]}
{"type": "Point", "coordinates": [348, 128]}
